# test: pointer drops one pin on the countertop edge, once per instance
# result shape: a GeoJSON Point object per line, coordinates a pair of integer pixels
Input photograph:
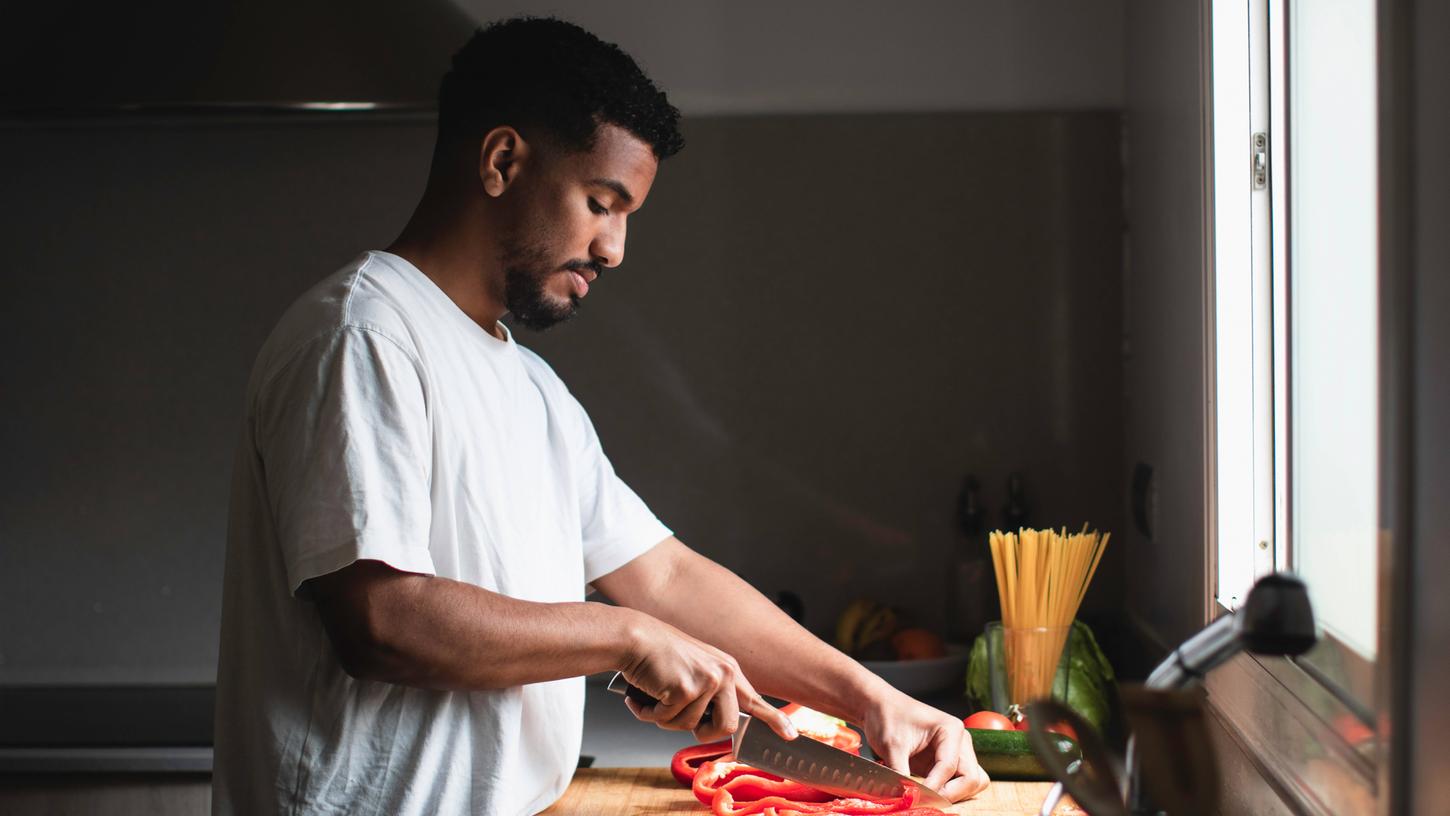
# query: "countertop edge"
{"type": "Point", "coordinates": [179, 759]}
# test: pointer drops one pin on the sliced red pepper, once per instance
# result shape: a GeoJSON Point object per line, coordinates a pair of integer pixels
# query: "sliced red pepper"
{"type": "Point", "coordinates": [733, 788]}
{"type": "Point", "coordinates": [727, 805]}
{"type": "Point", "coordinates": [848, 740]}
{"type": "Point", "coordinates": [744, 783]}
{"type": "Point", "coordinates": [688, 760]}
{"type": "Point", "coordinates": [809, 723]}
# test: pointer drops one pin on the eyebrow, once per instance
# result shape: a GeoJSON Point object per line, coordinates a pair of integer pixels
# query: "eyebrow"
{"type": "Point", "coordinates": [619, 189]}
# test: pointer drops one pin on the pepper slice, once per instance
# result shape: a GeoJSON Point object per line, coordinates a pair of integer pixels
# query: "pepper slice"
{"type": "Point", "coordinates": [725, 804]}
{"type": "Point", "coordinates": [736, 789]}
{"type": "Point", "coordinates": [747, 783]}
{"type": "Point", "coordinates": [733, 788]}
{"type": "Point", "coordinates": [689, 759]}
{"type": "Point", "coordinates": [823, 727]}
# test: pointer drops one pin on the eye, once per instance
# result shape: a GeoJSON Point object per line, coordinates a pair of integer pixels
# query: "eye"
{"type": "Point", "coordinates": [597, 208]}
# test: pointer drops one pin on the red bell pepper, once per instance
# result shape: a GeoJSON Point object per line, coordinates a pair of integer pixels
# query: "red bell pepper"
{"type": "Point", "coordinates": [688, 760]}
{"type": "Point", "coordinates": [743, 782]}
{"type": "Point", "coordinates": [725, 804]}
{"type": "Point", "coordinates": [736, 789]}
{"type": "Point", "coordinates": [810, 723]}
{"type": "Point", "coordinates": [733, 788]}
{"type": "Point", "coordinates": [823, 728]}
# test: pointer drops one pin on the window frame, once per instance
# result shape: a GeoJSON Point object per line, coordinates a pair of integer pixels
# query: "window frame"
{"type": "Point", "coordinates": [1286, 714]}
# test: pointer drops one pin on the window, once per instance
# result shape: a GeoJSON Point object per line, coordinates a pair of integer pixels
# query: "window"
{"type": "Point", "coordinates": [1295, 284]}
{"type": "Point", "coordinates": [1295, 279]}
{"type": "Point", "coordinates": [1333, 303]}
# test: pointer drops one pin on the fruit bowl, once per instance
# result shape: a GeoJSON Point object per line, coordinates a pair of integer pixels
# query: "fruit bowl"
{"type": "Point", "coordinates": [924, 677]}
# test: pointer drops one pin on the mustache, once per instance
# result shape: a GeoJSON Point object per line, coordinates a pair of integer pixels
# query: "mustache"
{"type": "Point", "coordinates": [592, 266]}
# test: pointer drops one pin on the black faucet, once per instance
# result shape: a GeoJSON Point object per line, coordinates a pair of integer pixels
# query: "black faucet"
{"type": "Point", "coordinates": [1275, 619]}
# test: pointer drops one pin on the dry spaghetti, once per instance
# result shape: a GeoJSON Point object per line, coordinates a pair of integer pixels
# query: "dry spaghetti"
{"type": "Point", "coordinates": [1042, 576]}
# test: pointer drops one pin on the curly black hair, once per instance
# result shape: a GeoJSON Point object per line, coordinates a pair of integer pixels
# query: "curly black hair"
{"type": "Point", "coordinates": [551, 74]}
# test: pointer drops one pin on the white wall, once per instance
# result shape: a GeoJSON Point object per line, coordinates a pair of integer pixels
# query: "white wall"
{"type": "Point", "coordinates": [756, 56]}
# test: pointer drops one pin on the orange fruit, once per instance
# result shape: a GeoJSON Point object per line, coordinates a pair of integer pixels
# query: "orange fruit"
{"type": "Point", "coordinates": [917, 644]}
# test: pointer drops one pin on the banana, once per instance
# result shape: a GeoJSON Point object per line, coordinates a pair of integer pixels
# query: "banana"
{"type": "Point", "coordinates": [850, 622]}
{"type": "Point", "coordinates": [880, 626]}
{"type": "Point", "coordinates": [862, 624]}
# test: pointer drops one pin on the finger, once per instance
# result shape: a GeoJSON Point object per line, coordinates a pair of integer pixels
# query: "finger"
{"type": "Point", "coordinates": [757, 707]}
{"type": "Point", "coordinates": [973, 780]}
{"type": "Point", "coordinates": [896, 758]}
{"type": "Point", "coordinates": [671, 704]}
{"type": "Point", "coordinates": [724, 718]}
{"type": "Point", "coordinates": [980, 780]}
{"type": "Point", "coordinates": [939, 774]}
{"type": "Point", "coordinates": [688, 718]}
{"type": "Point", "coordinates": [948, 757]}
{"type": "Point", "coordinates": [641, 712]}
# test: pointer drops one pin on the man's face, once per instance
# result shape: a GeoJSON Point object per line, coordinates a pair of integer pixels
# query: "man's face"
{"type": "Point", "coordinates": [570, 225]}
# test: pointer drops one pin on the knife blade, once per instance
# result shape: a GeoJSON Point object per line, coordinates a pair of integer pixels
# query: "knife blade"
{"type": "Point", "coordinates": [805, 760]}
{"type": "Point", "coordinates": [823, 766]}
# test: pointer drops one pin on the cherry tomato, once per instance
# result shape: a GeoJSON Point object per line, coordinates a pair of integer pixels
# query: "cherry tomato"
{"type": "Point", "coordinates": [988, 721]}
{"type": "Point", "coordinates": [1352, 730]}
{"type": "Point", "coordinates": [1063, 729]}
{"type": "Point", "coordinates": [1056, 728]}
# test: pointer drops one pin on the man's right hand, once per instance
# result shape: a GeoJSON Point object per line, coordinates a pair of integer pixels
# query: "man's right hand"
{"type": "Point", "coordinates": [688, 676]}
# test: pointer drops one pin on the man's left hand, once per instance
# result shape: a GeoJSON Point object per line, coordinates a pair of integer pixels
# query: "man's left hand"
{"type": "Point", "coordinates": [911, 737]}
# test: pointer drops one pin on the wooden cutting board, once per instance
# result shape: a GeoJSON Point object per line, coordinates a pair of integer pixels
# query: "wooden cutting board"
{"type": "Point", "coordinates": [653, 792]}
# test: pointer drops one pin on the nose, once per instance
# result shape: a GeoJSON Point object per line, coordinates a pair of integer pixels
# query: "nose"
{"type": "Point", "coordinates": [608, 245]}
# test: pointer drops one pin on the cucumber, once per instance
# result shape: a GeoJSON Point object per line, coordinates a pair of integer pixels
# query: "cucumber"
{"type": "Point", "coordinates": [1006, 754]}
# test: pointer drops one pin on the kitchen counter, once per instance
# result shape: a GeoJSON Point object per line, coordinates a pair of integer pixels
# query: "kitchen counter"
{"type": "Point", "coordinates": [630, 776]}
{"type": "Point", "coordinates": [86, 729]}
{"type": "Point", "coordinates": [652, 791]}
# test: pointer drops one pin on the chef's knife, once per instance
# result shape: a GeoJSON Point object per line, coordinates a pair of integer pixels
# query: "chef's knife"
{"type": "Point", "coordinates": [805, 760]}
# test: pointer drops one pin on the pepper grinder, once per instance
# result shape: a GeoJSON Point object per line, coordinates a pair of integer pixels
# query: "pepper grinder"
{"type": "Point", "coordinates": [1014, 513]}
{"type": "Point", "coordinates": [972, 591]}
{"type": "Point", "coordinates": [970, 517]}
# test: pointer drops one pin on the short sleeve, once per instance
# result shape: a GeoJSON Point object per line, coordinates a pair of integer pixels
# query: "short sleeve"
{"type": "Point", "coordinates": [342, 430]}
{"type": "Point", "coordinates": [617, 525]}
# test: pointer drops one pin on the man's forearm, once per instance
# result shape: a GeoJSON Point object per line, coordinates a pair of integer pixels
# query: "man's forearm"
{"type": "Point", "coordinates": [780, 657]}
{"type": "Point", "coordinates": [432, 632]}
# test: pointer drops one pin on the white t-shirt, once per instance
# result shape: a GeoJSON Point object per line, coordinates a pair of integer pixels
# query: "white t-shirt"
{"type": "Point", "coordinates": [382, 423]}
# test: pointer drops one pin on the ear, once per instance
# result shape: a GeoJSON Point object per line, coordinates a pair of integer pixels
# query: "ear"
{"type": "Point", "coordinates": [501, 155]}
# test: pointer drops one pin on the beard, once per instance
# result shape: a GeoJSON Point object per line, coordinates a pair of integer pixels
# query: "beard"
{"type": "Point", "coordinates": [526, 277]}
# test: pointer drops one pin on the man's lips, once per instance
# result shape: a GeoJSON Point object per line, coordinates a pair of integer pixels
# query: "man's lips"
{"type": "Point", "coordinates": [581, 279]}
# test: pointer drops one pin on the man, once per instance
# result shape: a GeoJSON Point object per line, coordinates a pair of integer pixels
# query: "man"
{"type": "Point", "coordinates": [418, 503]}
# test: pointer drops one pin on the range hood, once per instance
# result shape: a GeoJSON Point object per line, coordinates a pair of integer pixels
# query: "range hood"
{"type": "Point", "coordinates": [75, 58]}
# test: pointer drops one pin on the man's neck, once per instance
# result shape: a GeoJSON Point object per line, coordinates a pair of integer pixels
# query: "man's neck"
{"type": "Point", "coordinates": [461, 262]}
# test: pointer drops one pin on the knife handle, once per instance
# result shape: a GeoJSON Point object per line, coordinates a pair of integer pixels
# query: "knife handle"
{"type": "Point", "coordinates": [619, 685]}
